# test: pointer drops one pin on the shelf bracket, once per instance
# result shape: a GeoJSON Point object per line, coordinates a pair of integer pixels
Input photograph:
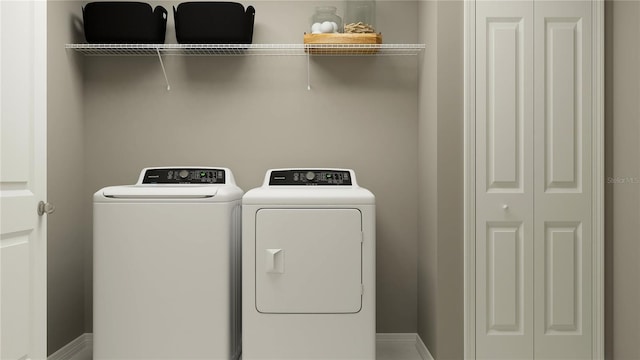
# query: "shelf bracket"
{"type": "Point", "coordinates": [308, 70]}
{"type": "Point", "coordinates": [163, 70]}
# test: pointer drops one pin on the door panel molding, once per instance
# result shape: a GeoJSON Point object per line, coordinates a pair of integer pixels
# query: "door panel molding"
{"type": "Point", "coordinates": [504, 273]}
{"type": "Point", "coordinates": [563, 104]}
{"type": "Point", "coordinates": [505, 107]}
{"type": "Point", "coordinates": [563, 278]}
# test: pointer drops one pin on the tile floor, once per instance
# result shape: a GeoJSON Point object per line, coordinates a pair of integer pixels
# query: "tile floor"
{"type": "Point", "coordinates": [385, 350]}
{"type": "Point", "coordinates": [388, 350]}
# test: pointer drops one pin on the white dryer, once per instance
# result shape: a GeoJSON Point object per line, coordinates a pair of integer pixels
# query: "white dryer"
{"type": "Point", "coordinates": [166, 256]}
{"type": "Point", "coordinates": [308, 267]}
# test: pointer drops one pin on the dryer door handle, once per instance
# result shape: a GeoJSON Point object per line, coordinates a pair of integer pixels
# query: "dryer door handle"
{"type": "Point", "coordinates": [275, 261]}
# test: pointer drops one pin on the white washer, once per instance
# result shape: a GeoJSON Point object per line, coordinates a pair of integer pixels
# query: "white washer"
{"type": "Point", "coordinates": [308, 267]}
{"type": "Point", "coordinates": [166, 257]}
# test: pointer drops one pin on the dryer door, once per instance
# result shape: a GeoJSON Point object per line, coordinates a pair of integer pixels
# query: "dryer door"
{"type": "Point", "coordinates": [308, 261]}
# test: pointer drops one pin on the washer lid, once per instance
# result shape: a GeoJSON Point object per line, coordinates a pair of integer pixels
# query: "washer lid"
{"type": "Point", "coordinates": [160, 192]}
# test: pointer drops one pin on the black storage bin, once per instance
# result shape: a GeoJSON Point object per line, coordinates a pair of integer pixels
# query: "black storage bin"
{"type": "Point", "coordinates": [214, 23]}
{"type": "Point", "coordinates": [124, 22]}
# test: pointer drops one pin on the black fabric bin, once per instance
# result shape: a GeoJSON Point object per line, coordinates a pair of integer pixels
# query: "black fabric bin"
{"type": "Point", "coordinates": [214, 23]}
{"type": "Point", "coordinates": [124, 22]}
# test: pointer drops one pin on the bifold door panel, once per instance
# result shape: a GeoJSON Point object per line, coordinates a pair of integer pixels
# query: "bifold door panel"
{"type": "Point", "coordinates": [563, 180]}
{"type": "Point", "coordinates": [504, 185]}
{"type": "Point", "coordinates": [308, 261]}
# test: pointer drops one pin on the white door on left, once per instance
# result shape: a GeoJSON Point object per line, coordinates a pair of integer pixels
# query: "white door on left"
{"type": "Point", "coordinates": [23, 248]}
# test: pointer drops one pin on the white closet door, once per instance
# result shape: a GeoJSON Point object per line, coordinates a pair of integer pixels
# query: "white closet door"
{"type": "Point", "coordinates": [23, 161]}
{"type": "Point", "coordinates": [563, 182]}
{"type": "Point", "coordinates": [504, 180]}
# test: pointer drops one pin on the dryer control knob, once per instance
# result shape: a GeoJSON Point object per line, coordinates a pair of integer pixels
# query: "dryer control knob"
{"type": "Point", "coordinates": [310, 175]}
{"type": "Point", "coordinates": [183, 174]}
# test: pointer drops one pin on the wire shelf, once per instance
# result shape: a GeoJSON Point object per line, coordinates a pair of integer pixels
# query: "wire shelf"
{"type": "Point", "coordinates": [246, 49]}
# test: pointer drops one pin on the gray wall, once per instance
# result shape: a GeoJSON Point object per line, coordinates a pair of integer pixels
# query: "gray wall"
{"type": "Point", "coordinates": [450, 180]}
{"type": "Point", "coordinates": [622, 196]}
{"type": "Point", "coordinates": [255, 113]}
{"type": "Point", "coordinates": [440, 242]}
{"type": "Point", "coordinates": [65, 265]}
{"type": "Point", "coordinates": [427, 176]}
{"type": "Point", "coordinates": [112, 116]}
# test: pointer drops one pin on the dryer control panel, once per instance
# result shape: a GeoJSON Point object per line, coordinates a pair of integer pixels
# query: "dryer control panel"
{"type": "Point", "coordinates": [184, 176]}
{"type": "Point", "coordinates": [310, 177]}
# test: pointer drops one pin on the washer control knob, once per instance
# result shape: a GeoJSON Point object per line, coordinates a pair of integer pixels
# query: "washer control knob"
{"type": "Point", "coordinates": [310, 175]}
{"type": "Point", "coordinates": [183, 174]}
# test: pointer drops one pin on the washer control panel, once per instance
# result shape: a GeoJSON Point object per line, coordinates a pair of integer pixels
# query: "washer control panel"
{"type": "Point", "coordinates": [310, 177]}
{"type": "Point", "coordinates": [184, 176]}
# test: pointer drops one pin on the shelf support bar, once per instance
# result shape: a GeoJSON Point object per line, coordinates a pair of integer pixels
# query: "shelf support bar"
{"type": "Point", "coordinates": [163, 70]}
{"type": "Point", "coordinates": [308, 70]}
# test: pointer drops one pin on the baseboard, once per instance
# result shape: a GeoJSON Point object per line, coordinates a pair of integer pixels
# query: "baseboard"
{"type": "Point", "coordinates": [72, 350]}
{"type": "Point", "coordinates": [406, 338]}
{"type": "Point", "coordinates": [422, 349]}
{"type": "Point", "coordinates": [396, 337]}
